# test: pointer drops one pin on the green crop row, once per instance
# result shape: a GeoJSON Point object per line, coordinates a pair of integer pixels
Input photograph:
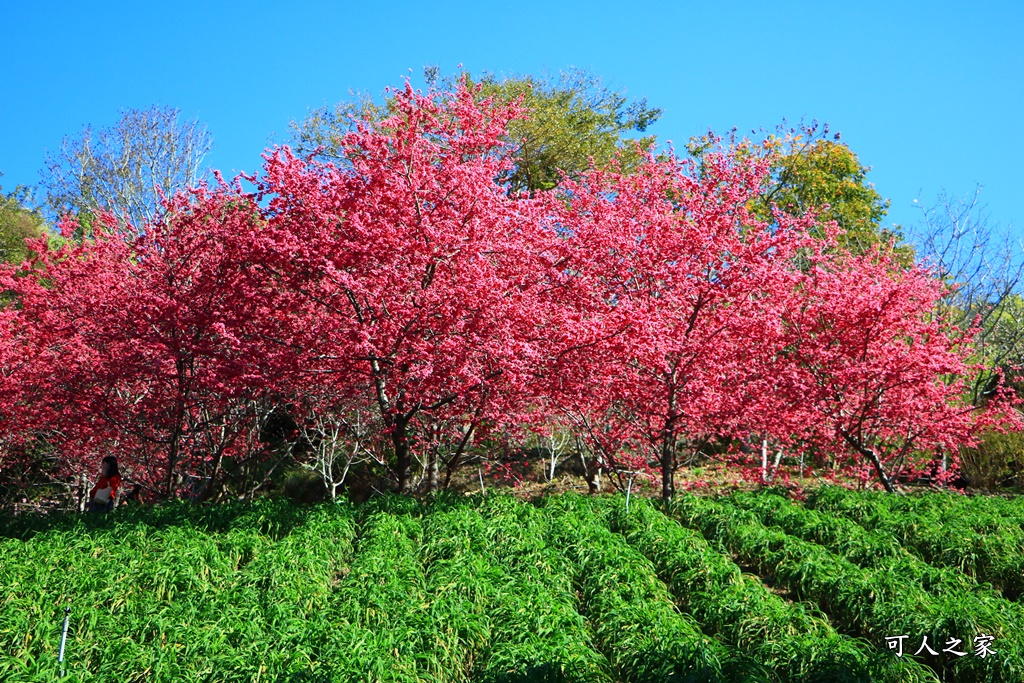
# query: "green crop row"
{"type": "Point", "coordinates": [184, 595]}
{"type": "Point", "coordinates": [945, 539]}
{"type": "Point", "coordinates": [874, 604]}
{"type": "Point", "coordinates": [190, 595]}
{"type": "Point", "coordinates": [378, 607]}
{"type": "Point", "coordinates": [868, 549]}
{"type": "Point", "coordinates": [633, 616]}
{"type": "Point", "coordinates": [481, 590]}
{"type": "Point", "coordinates": [462, 586]}
{"type": "Point", "coordinates": [425, 598]}
{"type": "Point", "coordinates": [984, 514]}
{"type": "Point", "coordinates": [538, 633]}
{"type": "Point", "coordinates": [269, 517]}
{"type": "Point", "coordinates": [793, 643]}
{"type": "Point", "coordinates": [293, 582]}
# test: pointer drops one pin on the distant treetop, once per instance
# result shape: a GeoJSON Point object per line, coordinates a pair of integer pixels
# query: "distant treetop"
{"type": "Point", "coordinates": [570, 120]}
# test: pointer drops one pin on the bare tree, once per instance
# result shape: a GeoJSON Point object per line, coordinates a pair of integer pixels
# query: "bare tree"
{"type": "Point", "coordinates": [956, 238]}
{"type": "Point", "coordinates": [338, 442]}
{"type": "Point", "coordinates": [126, 167]}
{"type": "Point", "coordinates": [556, 442]}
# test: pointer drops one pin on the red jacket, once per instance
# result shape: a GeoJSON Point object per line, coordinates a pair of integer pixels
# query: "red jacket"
{"type": "Point", "coordinates": [113, 482]}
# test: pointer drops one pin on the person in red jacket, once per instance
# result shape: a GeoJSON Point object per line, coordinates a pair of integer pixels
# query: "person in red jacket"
{"type": "Point", "coordinates": [101, 498]}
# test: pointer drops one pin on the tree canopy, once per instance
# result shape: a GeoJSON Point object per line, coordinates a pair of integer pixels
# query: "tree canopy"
{"type": "Point", "coordinates": [812, 172]}
{"type": "Point", "coordinates": [18, 222]}
{"type": "Point", "coordinates": [407, 296]}
{"type": "Point", "coordinates": [567, 122]}
{"type": "Point", "coordinates": [484, 258]}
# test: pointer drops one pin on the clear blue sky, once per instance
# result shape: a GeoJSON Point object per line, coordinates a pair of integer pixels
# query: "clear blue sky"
{"type": "Point", "coordinates": [930, 95]}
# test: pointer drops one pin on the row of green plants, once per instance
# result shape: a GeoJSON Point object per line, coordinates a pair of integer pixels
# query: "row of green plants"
{"type": "Point", "coordinates": [632, 613]}
{"type": "Point", "coordinates": [874, 550]}
{"type": "Point", "coordinates": [392, 591]}
{"type": "Point", "coordinates": [538, 633]}
{"type": "Point", "coordinates": [794, 640]}
{"type": "Point", "coordinates": [984, 546]}
{"type": "Point", "coordinates": [873, 603]}
{"type": "Point", "coordinates": [984, 513]}
{"type": "Point", "coordinates": [384, 625]}
{"type": "Point", "coordinates": [867, 549]}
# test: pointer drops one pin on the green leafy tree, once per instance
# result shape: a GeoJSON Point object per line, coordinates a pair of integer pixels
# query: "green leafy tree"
{"type": "Point", "coordinates": [18, 222]}
{"type": "Point", "coordinates": [571, 120]}
{"type": "Point", "coordinates": [811, 171]}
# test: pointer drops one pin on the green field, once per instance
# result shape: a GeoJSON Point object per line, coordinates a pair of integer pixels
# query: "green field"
{"type": "Point", "coordinates": [490, 588]}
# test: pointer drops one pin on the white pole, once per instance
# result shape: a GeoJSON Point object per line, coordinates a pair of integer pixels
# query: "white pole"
{"type": "Point", "coordinates": [63, 639]}
{"type": "Point", "coordinates": [775, 465]}
{"type": "Point", "coordinates": [764, 461]}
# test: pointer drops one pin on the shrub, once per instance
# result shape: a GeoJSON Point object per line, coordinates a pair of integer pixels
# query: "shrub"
{"type": "Point", "coordinates": [303, 486]}
{"type": "Point", "coordinates": [997, 462]}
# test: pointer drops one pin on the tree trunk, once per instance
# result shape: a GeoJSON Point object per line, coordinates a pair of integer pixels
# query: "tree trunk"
{"type": "Point", "coordinates": [432, 471]}
{"type": "Point", "coordinates": [886, 482]}
{"type": "Point", "coordinates": [775, 465]}
{"type": "Point", "coordinates": [668, 463]}
{"type": "Point", "coordinates": [172, 461]}
{"type": "Point", "coordinates": [870, 454]}
{"type": "Point", "coordinates": [247, 468]}
{"type": "Point", "coordinates": [83, 491]}
{"type": "Point", "coordinates": [592, 472]}
{"type": "Point", "coordinates": [453, 462]}
{"type": "Point", "coordinates": [173, 452]}
{"type": "Point", "coordinates": [210, 488]}
{"type": "Point", "coordinates": [403, 456]}
{"type": "Point", "coordinates": [764, 461]}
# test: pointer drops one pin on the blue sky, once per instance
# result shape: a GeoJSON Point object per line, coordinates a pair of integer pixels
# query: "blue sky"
{"type": "Point", "coordinates": [930, 95]}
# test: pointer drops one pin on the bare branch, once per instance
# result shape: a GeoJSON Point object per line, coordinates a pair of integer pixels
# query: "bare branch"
{"type": "Point", "coordinates": [125, 168]}
{"type": "Point", "coordinates": [985, 265]}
